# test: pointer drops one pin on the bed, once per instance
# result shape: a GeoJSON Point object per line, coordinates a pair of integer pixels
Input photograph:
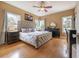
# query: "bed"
{"type": "Point", "coordinates": [36, 38]}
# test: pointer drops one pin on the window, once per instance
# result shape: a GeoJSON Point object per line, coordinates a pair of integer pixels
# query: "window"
{"type": "Point", "coordinates": [66, 23]}
{"type": "Point", "coordinates": [12, 21]}
{"type": "Point", "coordinates": [40, 24]}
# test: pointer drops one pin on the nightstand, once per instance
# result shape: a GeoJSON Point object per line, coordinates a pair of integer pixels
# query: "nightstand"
{"type": "Point", "coordinates": [12, 37]}
{"type": "Point", "coordinates": [55, 32]}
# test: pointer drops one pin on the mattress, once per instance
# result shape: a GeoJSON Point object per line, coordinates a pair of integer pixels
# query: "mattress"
{"type": "Point", "coordinates": [36, 38]}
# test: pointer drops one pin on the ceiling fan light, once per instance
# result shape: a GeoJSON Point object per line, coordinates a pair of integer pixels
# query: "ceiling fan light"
{"type": "Point", "coordinates": [42, 9]}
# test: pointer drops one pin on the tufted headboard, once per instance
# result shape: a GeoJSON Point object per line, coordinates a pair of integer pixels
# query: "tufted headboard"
{"type": "Point", "coordinates": [26, 24]}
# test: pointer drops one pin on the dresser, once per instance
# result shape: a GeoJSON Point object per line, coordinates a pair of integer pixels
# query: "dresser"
{"type": "Point", "coordinates": [12, 37]}
{"type": "Point", "coordinates": [55, 32]}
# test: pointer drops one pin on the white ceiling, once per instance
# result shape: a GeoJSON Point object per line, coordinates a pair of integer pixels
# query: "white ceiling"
{"type": "Point", "coordinates": [57, 6]}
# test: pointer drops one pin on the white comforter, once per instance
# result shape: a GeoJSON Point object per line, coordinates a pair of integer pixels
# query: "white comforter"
{"type": "Point", "coordinates": [36, 38]}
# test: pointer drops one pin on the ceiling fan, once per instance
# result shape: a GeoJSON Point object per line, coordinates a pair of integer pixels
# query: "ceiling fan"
{"type": "Point", "coordinates": [43, 6]}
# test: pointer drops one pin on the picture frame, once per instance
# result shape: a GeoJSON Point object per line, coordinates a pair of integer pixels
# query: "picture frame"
{"type": "Point", "coordinates": [28, 17]}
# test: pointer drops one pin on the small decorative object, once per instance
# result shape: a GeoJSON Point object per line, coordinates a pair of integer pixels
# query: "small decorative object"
{"type": "Point", "coordinates": [53, 25]}
{"type": "Point", "coordinates": [28, 17]}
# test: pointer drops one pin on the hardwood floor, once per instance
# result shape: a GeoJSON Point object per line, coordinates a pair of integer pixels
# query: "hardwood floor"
{"type": "Point", "coordinates": [55, 48]}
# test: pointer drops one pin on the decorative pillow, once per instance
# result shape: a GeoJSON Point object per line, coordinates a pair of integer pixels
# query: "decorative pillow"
{"type": "Point", "coordinates": [24, 30]}
{"type": "Point", "coordinates": [31, 30]}
{"type": "Point", "coordinates": [27, 30]}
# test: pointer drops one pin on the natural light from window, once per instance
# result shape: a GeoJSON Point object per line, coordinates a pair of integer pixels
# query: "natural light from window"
{"type": "Point", "coordinates": [40, 24]}
{"type": "Point", "coordinates": [12, 21]}
{"type": "Point", "coordinates": [66, 23]}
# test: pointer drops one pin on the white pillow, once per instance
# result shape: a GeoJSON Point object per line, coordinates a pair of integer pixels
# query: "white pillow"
{"type": "Point", "coordinates": [24, 30]}
{"type": "Point", "coordinates": [27, 30]}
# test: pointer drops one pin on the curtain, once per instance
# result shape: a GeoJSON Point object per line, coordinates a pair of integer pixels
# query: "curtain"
{"type": "Point", "coordinates": [2, 26]}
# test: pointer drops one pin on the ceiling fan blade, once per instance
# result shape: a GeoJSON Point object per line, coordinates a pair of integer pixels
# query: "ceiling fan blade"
{"type": "Point", "coordinates": [45, 10]}
{"type": "Point", "coordinates": [48, 7]}
{"type": "Point", "coordinates": [36, 6]}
